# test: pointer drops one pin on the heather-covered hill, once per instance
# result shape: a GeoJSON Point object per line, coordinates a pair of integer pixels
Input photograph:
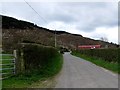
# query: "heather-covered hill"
{"type": "Point", "coordinates": [17, 31]}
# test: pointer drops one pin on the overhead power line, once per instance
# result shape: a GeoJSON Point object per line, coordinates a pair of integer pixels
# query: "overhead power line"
{"type": "Point", "coordinates": [36, 12]}
{"type": "Point", "coordinates": [41, 18]}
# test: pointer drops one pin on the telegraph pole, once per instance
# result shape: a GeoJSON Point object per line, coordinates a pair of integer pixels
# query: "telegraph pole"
{"type": "Point", "coordinates": [55, 37]}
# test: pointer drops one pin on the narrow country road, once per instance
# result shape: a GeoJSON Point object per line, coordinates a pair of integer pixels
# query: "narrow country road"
{"type": "Point", "coordinates": [78, 73]}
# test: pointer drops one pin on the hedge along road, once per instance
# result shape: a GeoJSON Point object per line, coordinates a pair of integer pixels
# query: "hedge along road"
{"type": "Point", "coordinates": [79, 73]}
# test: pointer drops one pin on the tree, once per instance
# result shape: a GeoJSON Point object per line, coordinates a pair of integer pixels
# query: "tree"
{"type": "Point", "coordinates": [104, 39]}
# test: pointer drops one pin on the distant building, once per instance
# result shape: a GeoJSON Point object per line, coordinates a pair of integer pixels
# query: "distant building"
{"type": "Point", "coordinates": [89, 46]}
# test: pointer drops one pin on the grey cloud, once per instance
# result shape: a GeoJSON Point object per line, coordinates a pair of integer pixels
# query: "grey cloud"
{"type": "Point", "coordinates": [62, 18]}
{"type": "Point", "coordinates": [98, 17]}
{"type": "Point", "coordinates": [85, 16]}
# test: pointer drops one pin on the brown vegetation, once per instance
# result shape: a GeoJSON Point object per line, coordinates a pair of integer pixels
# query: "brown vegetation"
{"type": "Point", "coordinates": [13, 34]}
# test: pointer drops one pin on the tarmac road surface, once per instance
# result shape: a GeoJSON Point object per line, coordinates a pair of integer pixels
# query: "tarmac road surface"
{"type": "Point", "coordinates": [79, 73]}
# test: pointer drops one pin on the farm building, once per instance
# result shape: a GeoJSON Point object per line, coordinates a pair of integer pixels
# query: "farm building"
{"type": "Point", "coordinates": [89, 46]}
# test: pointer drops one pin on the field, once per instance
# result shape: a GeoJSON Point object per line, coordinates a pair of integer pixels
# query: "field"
{"type": "Point", "coordinates": [6, 62]}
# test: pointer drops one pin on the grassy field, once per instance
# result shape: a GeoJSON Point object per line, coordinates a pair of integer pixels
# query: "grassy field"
{"type": "Point", "coordinates": [100, 62]}
{"type": "Point", "coordinates": [5, 59]}
{"type": "Point", "coordinates": [35, 78]}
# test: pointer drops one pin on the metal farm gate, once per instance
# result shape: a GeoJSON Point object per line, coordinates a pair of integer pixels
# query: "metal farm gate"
{"type": "Point", "coordinates": [7, 65]}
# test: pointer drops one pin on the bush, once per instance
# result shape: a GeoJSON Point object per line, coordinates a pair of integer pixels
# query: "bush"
{"type": "Point", "coordinates": [62, 50]}
{"type": "Point", "coordinates": [27, 41]}
{"type": "Point", "coordinates": [110, 55]}
{"type": "Point", "coordinates": [39, 58]}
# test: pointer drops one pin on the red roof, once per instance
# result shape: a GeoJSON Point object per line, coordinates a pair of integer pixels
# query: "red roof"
{"type": "Point", "coordinates": [89, 46]}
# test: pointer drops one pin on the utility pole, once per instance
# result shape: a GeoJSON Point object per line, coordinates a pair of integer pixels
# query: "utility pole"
{"type": "Point", "coordinates": [55, 38]}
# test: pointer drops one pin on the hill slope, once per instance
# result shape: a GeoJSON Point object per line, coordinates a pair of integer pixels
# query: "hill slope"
{"type": "Point", "coordinates": [17, 31]}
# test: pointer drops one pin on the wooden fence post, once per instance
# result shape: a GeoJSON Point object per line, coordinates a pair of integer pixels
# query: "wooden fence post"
{"type": "Point", "coordinates": [15, 64]}
{"type": "Point", "coordinates": [18, 57]}
{"type": "Point", "coordinates": [22, 62]}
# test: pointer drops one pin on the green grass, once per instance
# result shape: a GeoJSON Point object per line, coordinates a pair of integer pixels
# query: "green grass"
{"type": "Point", "coordinates": [6, 57]}
{"type": "Point", "coordinates": [27, 79]}
{"type": "Point", "coordinates": [3, 57]}
{"type": "Point", "coordinates": [98, 61]}
{"type": "Point", "coordinates": [3, 61]}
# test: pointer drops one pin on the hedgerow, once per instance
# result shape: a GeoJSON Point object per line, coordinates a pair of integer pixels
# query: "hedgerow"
{"type": "Point", "coordinates": [36, 56]}
{"type": "Point", "coordinates": [110, 55]}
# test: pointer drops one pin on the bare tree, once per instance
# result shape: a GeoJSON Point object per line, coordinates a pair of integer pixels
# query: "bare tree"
{"type": "Point", "coordinates": [105, 39]}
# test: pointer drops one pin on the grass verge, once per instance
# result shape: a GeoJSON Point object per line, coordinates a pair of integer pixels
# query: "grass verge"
{"type": "Point", "coordinates": [98, 61]}
{"type": "Point", "coordinates": [26, 80]}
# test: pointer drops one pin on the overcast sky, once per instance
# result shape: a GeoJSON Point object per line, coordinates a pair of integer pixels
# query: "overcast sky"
{"type": "Point", "coordinates": [90, 19]}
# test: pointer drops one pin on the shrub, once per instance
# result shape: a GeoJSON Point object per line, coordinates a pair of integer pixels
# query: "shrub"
{"type": "Point", "coordinates": [110, 55]}
{"type": "Point", "coordinates": [38, 57]}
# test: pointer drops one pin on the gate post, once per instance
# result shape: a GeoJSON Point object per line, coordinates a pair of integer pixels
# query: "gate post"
{"type": "Point", "coordinates": [15, 60]}
{"type": "Point", "coordinates": [22, 63]}
{"type": "Point", "coordinates": [17, 56]}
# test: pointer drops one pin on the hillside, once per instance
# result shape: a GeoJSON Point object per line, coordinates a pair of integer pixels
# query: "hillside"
{"type": "Point", "coordinates": [17, 31]}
